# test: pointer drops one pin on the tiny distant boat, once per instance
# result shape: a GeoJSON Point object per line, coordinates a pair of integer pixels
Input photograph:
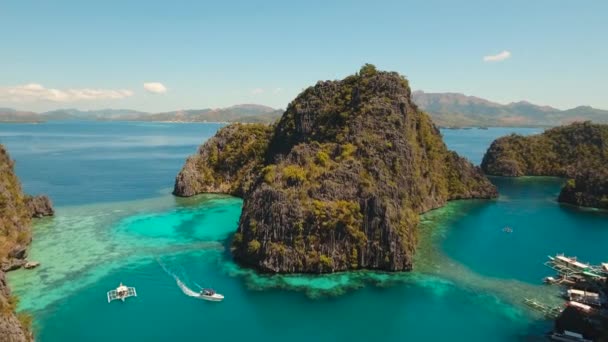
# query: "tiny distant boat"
{"type": "Point", "coordinates": [507, 229]}
{"type": "Point", "coordinates": [211, 295]}
{"type": "Point", "coordinates": [122, 292]}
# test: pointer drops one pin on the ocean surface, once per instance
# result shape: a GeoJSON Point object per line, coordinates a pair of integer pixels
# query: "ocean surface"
{"type": "Point", "coordinates": [117, 222]}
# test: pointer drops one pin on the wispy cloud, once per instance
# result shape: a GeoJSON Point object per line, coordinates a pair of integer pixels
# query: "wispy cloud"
{"type": "Point", "coordinates": [155, 87]}
{"type": "Point", "coordinates": [497, 57]}
{"type": "Point", "coordinates": [277, 90]}
{"type": "Point", "coordinates": [37, 92]}
{"type": "Point", "coordinates": [257, 91]}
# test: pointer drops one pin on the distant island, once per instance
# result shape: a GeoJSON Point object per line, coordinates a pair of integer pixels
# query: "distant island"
{"type": "Point", "coordinates": [448, 110]}
{"type": "Point", "coordinates": [338, 183]}
{"type": "Point", "coordinates": [245, 113]}
{"type": "Point", "coordinates": [578, 152]}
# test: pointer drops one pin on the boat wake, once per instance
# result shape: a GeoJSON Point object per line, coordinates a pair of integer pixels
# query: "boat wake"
{"type": "Point", "coordinates": [185, 289]}
{"type": "Point", "coordinates": [181, 284]}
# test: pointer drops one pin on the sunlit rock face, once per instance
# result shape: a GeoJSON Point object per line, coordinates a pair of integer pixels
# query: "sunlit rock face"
{"type": "Point", "coordinates": [343, 176]}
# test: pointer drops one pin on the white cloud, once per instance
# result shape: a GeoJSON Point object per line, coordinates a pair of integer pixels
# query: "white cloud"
{"type": "Point", "coordinates": [37, 92]}
{"type": "Point", "coordinates": [155, 87]}
{"type": "Point", "coordinates": [277, 90]}
{"type": "Point", "coordinates": [497, 57]}
{"type": "Point", "coordinates": [257, 91]}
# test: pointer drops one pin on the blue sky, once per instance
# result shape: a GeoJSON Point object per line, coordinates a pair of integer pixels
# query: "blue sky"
{"type": "Point", "coordinates": [98, 54]}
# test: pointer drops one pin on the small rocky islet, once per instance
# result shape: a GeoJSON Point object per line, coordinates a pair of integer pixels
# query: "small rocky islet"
{"type": "Point", "coordinates": [338, 182]}
{"type": "Point", "coordinates": [577, 152]}
{"type": "Point", "coordinates": [16, 212]}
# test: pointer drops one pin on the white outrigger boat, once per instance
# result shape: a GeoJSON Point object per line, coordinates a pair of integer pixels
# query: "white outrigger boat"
{"type": "Point", "coordinates": [211, 295]}
{"type": "Point", "coordinates": [571, 262]}
{"type": "Point", "coordinates": [122, 292]}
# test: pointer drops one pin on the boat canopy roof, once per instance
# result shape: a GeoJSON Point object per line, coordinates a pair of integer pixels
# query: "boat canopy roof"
{"type": "Point", "coordinates": [579, 305]}
{"type": "Point", "coordinates": [583, 293]}
{"type": "Point", "coordinates": [572, 334]}
{"type": "Point", "coordinates": [572, 261]}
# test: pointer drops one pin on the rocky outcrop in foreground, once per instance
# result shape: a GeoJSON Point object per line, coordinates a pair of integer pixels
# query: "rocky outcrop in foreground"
{"type": "Point", "coordinates": [578, 152]}
{"type": "Point", "coordinates": [40, 206]}
{"type": "Point", "coordinates": [16, 211]}
{"type": "Point", "coordinates": [339, 182]}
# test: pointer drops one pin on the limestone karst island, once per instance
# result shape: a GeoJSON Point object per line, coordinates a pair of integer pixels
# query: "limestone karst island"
{"type": "Point", "coordinates": [338, 182]}
{"type": "Point", "coordinates": [315, 171]}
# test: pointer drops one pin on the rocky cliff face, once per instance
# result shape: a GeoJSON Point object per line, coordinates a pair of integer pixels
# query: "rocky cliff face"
{"type": "Point", "coordinates": [11, 327]}
{"type": "Point", "coordinates": [588, 188]}
{"type": "Point", "coordinates": [578, 151]}
{"type": "Point", "coordinates": [345, 174]}
{"type": "Point", "coordinates": [16, 211]}
{"type": "Point", "coordinates": [40, 206]}
{"type": "Point", "coordinates": [226, 163]}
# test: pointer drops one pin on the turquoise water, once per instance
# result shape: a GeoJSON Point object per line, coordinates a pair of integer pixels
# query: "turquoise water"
{"type": "Point", "coordinates": [468, 284]}
{"type": "Point", "coordinates": [541, 227]}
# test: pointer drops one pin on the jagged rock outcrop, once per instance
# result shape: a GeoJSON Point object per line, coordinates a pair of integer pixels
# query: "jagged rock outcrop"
{"type": "Point", "coordinates": [226, 163]}
{"type": "Point", "coordinates": [16, 211]}
{"type": "Point", "coordinates": [40, 206]}
{"type": "Point", "coordinates": [589, 188]}
{"type": "Point", "coordinates": [346, 172]}
{"type": "Point", "coordinates": [578, 151]}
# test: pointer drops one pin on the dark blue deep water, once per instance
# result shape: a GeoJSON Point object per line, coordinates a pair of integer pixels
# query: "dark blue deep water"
{"type": "Point", "coordinates": [84, 162]}
{"type": "Point", "coordinates": [117, 222]}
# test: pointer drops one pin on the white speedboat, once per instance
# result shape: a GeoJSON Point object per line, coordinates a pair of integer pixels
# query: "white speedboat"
{"type": "Point", "coordinates": [211, 295]}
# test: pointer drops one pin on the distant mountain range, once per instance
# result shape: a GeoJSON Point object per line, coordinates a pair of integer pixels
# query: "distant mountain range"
{"type": "Point", "coordinates": [247, 113]}
{"type": "Point", "coordinates": [446, 109]}
{"type": "Point", "coordinates": [459, 110]}
{"type": "Point", "coordinates": [13, 115]}
{"type": "Point", "coordinates": [239, 113]}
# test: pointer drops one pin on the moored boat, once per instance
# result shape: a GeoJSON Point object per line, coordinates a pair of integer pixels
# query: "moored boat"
{"type": "Point", "coordinates": [568, 336]}
{"type": "Point", "coordinates": [569, 262]}
{"type": "Point", "coordinates": [579, 306]}
{"type": "Point", "coordinates": [122, 292]}
{"type": "Point", "coordinates": [585, 297]}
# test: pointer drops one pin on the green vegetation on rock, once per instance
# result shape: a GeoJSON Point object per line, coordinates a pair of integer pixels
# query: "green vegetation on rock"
{"type": "Point", "coordinates": [227, 163]}
{"type": "Point", "coordinates": [578, 151]}
{"type": "Point", "coordinates": [15, 216]}
{"type": "Point", "coordinates": [339, 181]}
